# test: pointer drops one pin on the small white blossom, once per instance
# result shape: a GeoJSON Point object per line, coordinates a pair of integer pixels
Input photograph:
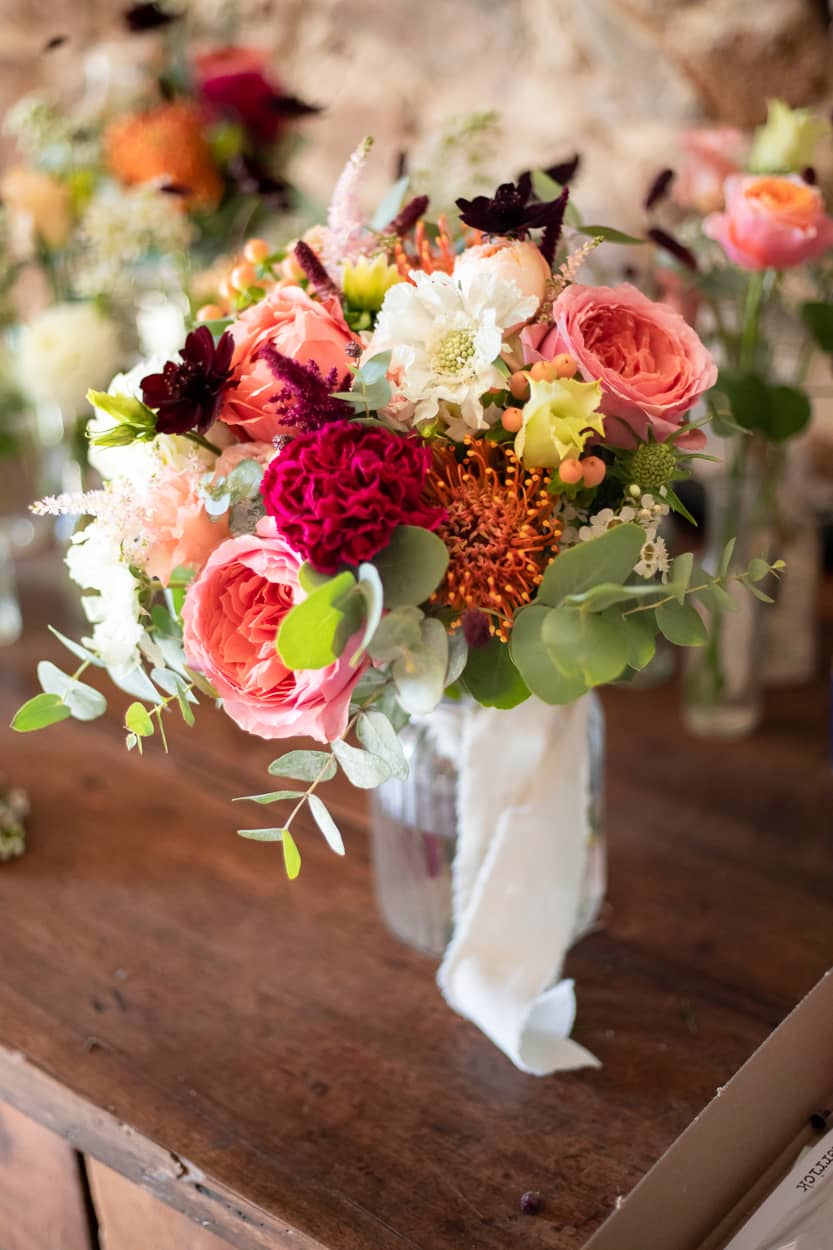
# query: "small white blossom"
{"type": "Point", "coordinates": [653, 559]}
{"type": "Point", "coordinates": [649, 514]}
{"type": "Point", "coordinates": [606, 520]}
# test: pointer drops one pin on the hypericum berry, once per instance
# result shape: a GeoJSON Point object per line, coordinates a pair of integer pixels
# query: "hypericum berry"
{"type": "Point", "coordinates": [243, 276]}
{"type": "Point", "coordinates": [256, 250]}
{"type": "Point", "coordinates": [564, 365]}
{"type": "Point", "coordinates": [594, 470]}
{"type": "Point", "coordinates": [543, 371]}
{"type": "Point", "coordinates": [209, 312]}
{"type": "Point", "coordinates": [512, 419]}
{"type": "Point", "coordinates": [571, 472]}
{"type": "Point", "coordinates": [519, 385]}
{"type": "Point", "coordinates": [653, 465]}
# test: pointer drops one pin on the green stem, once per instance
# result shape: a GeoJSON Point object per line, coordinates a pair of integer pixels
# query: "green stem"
{"type": "Point", "coordinates": [751, 319]}
{"type": "Point", "coordinates": [203, 442]}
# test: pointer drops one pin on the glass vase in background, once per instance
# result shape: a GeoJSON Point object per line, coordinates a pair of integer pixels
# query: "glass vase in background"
{"type": "Point", "coordinates": [413, 832]}
{"type": "Point", "coordinates": [791, 642]}
{"type": "Point", "coordinates": [724, 678]}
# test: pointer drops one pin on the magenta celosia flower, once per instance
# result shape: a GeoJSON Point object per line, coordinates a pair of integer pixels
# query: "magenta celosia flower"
{"type": "Point", "coordinates": [338, 493]}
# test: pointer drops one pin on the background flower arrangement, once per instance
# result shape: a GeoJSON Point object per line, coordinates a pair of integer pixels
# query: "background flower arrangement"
{"type": "Point", "coordinates": [400, 459]}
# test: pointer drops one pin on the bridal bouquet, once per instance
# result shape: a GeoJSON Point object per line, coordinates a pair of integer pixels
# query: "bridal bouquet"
{"type": "Point", "coordinates": [404, 459]}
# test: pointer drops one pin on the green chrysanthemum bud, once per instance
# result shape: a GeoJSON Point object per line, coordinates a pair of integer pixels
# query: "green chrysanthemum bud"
{"type": "Point", "coordinates": [653, 465]}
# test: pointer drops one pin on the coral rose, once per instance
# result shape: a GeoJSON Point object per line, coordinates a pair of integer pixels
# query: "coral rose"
{"type": "Point", "coordinates": [179, 531]}
{"type": "Point", "coordinates": [513, 260]}
{"type": "Point", "coordinates": [307, 330]}
{"type": "Point", "coordinates": [651, 365]}
{"type": "Point", "coordinates": [771, 222]}
{"type": "Point", "coordinates": [232, 614]}
{"type": "Point", "coordinates": [710, 155]}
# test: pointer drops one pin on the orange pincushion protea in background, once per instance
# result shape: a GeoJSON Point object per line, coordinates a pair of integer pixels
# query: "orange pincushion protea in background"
{"type": "Point", "coordinates": [165, 143]}
{"type": "Point", "coordinates": [499, 529]}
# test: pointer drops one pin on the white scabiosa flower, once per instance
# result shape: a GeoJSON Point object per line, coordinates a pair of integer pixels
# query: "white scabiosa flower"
{"type": "Point", "coordinates": [64, 351]}
{"type": "Point", "coordinates": [446, 333]}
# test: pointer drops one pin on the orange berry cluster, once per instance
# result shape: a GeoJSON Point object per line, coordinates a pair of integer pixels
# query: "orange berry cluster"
{"type": "Point", "coordinates": [591, 470]}
{"type": "Point", "coordinates": [240, 277]}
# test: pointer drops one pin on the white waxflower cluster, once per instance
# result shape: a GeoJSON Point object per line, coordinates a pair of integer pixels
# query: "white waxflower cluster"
{"type": "Point", "coordinates": [643, 510]}
{"type": "Point", "coordinates": [125, 230]}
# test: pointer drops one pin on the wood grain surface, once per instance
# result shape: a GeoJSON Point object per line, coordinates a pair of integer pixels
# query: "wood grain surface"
{"type": "Point", "coordinates": [266, 1058]}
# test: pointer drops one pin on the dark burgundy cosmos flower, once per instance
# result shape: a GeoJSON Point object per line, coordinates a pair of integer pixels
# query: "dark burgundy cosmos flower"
{"type": "Point", "coordinates": [141, 17]}
{"type": "Point", "coordinates": [186, 395]}
{"type": "Point", "coordinates": [674, 247]}
{"type": "Point", "coordinates": [659, 188]}
{"type": "Point", "coordinates": [513, 210]}
{"type": "Point", "coordinates": [338, 493]}
{"type": "Point", "coordinates": [564, 171]}
{"type": "Point", "coordinates": [306, 399]}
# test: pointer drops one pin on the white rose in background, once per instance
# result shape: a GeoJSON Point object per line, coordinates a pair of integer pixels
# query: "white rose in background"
{"type": "Point", "coordinates": [65, 351]}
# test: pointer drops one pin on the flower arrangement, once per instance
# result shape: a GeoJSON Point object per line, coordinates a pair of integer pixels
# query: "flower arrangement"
{"type": "Point", "coordinates": [402, 459]}
{"type": "Point", "coordinates": [748, 242]}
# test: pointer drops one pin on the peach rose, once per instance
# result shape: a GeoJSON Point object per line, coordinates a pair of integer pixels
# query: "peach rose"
{"type": "Point", "coordinates": [306, 329]}
{"type": "Point", "coordinates": [38, 204]}
{"type": "Point", "coordinates": [771, 222]}
{"type": "Point", "coordinates": [232, 614]}
{"type": "Point", "coordinates": [512, 260]}
{"type": "Point", "coordinates": [180, 531]}
{"type": "Point", "coordinates": [710, 155]}
{"type": "Point", "coordinates": [651, 364]}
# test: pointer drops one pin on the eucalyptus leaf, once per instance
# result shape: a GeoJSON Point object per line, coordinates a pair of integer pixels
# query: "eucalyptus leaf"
{"type": "Point", "coordinates": [592, 644]}
{"type": "Point", "coordinates": [329, 828]}
{"type": "Point", "coordinates": [458, 654]}
{"type": "Point", "coordinates": [291, 855]}
{"type": "Point", "coordinates": [136, 682]}
{"type": "Point", "coordinates": [83, 701]}
{"type": "Point", "coordinates": [534, 662]}
{"type": "Point", "coordinates": [76, 648]}
{"type": "Point", "coordinates": [398, 631]}
{"type": "Point", "coordinates": [680, 575]}
{"type": "Point", "coordinates": [377, 735]}
{"type": "Point", "coordinates": [640, 638]}
{"type": "Point", "coordinates": [137, 721]}
{"type": "Point", "coordinates": [309, 634]}
{"type": "Point", "coordinates": [681, 624]}
{"type": "Point", "coordinates": [419, 674]}
{"type": "Point", "coordinates": [609, 558]}
{"type": "Point", "coordinates": [609, 235]}
{"type": "Point", "coordinates": [39, 712]}
{"type": "Point", "coordinates": [390, 204]}
{"type": "Point", "coordinates": [304, 766]}
{"type": "Point", "coordinates": [363, 770]}
{"type": "Point", "coordinates": [371, 590]}
{"type": "Point", "coordinates": [411, 566]}
{"type": "Point", "coordinates": [491, 677]}
{"type": "Point", "coordinates": [262, 835]}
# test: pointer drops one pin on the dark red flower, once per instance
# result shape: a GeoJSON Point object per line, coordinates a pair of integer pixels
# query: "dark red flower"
{"type": "Point", "coordinates": [338, 493]}
{"type": "Point", "coordinates": [234, 83]}
{"type": "Point", "coordinates": [186, 395]}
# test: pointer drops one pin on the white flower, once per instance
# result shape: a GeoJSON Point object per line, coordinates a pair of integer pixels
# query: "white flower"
{"type": "Point", "coordinates": [649, 513]}
{"type": "Point", "coordinates": [96, 563]}
{"type": "Point", "coordinates": [130, 233]}
{"type": "Point", "coordinates": [67, 349]}
{"type": "Point", "coordinates": [653, 559]}
{"type": "Point", "coordinates": [606, 520]}
{"type": "Point", "coordinates": [446, 332]}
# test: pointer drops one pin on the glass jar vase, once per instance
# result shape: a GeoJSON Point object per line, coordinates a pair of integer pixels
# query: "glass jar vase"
{"type": "Point", "coordinates": [413, 831]}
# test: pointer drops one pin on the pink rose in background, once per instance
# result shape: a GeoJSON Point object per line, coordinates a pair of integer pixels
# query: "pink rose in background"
{"type": "Point", "coordinates": [651, 364]}
{"type": "Point", "coordinates": [232, 614]}
{"type": "Point", "coordinates": [233, 82]}
{"type": "Point", "coordinates": [308, 330]}
{"type": "Point", "coordinates": [179, 531]}
{"type": "Point", "coordinates": [709, 156]}
{"type": "Point", "coordinates": [771, 222]}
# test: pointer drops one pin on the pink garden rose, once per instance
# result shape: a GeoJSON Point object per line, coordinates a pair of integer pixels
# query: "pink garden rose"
{"type": "Point", "coordinates": [710, 155]}
{"type": "Point", "coordinates": [651, 364]}
{"type": "Point", "coordinates": [771, 222]}
{"type": "Point", "coordinates": [232, 614]}
{"type": "Point", "coordinates": [179, 531]}
{"type": "Point", "coordinates": [308, 330]}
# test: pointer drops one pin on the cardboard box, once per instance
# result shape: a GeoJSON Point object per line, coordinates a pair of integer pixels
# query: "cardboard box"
{"type": "Point", "coordinates": [739, 1147]}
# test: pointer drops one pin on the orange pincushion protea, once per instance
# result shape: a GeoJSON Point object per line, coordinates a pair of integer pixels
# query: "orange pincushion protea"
{"type": "Point", "coordinates": [499, 529]}
{"type": "Point", "coordinates": [165, 143]}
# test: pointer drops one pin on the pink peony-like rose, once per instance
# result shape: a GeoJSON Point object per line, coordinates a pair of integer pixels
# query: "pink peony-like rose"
{"type": "Point", "coordinates": [512, 260]}
{"type": "Point", "coordinates": [651, 364]}
{"type": "Point", "coordinates": [307, 330]}
{"type": "Point", "coordinates": [710, 155]}
{"type": "Point", "coordinates": [234, 83]}
{"type": "Point", "coordinates": [179, 531]}
{"type": "Point", "coordinates": [232, 614]}
{"type": "Point", "coordinates": [771, 222]}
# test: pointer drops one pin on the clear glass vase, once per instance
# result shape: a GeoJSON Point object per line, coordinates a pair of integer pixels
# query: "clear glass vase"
{"type": "Point", "coordinates": [724, 678]}
{"type": "Point", "coordinates": [413, 833]}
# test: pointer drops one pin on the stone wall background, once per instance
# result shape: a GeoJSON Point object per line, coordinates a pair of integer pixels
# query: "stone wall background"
{"type": "Point", "coordinates": [614, 79]}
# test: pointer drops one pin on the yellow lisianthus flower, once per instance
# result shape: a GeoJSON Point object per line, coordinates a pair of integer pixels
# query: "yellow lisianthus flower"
{"type": "Point", "coordinates": [558, 419]}
{"type": "Point", "coordinates": [365, 282]}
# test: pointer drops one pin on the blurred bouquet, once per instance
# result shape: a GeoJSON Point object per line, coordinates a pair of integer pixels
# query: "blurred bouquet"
{"type": "Point", "coordinates": [749, 251]}
{"type": "Point", "coordinates": [401, 459]}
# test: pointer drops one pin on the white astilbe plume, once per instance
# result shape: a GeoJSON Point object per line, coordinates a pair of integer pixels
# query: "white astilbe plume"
{"type": "Point", "coordinates": [346, 226]}
{"type": "Point", "coordinates": [72, 503]}
{"type": "Point", "coordinates": [568, 271]}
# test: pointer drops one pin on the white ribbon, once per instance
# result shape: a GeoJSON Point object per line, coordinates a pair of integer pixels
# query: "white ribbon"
{"type": "Point", "coordinates": [523, 832]}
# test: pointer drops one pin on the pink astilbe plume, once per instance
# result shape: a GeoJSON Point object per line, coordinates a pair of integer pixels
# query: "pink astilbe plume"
{"type": "Point", "coordinates": [306, 398]}
{"type": "Point", "coordinates": [346, 228]}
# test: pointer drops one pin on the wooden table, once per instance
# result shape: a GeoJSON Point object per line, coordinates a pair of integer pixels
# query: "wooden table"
{"type": "Point", "coordinates": [265, 1058]}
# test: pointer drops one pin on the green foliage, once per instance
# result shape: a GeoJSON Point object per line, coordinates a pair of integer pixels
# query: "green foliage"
{"type": "Point", "coordinates": [390, 204]}
{"type": "Point", "coordinates": [411, 566]}
{"type": "Point", "coordinates": [321, 815]}
{"type": "Point", "coordinates": [370, 390]}
{"type": "Point", "coordinates": [291, 855]}
{"type": "Point", "coordinates": [137, 721]}
{"type": "Point", "coordinates": [363, 770]}
{"type": "Point", "coordinates": [83, 702]}
{"type": "Point", "coordinates": [681, 624]}
{"type": "Point", "coordinates": [774, 411]}
{"type": "Point", "coordinates": [490, 676]}
{"type": "Point", "coordinates": [419, 674]}
{"type": "Point", "coordinates": [608, 558]}
{"type": "Point", "coordinates": [262, 835]}
{"type": "Point", "coordinates": [378, 737]}
{"type": "Point", "coordinates": [37, 713]}
{"type": "Point", "coordinates": [135, 422]}
{"type": "Point", "coordinates": [608, 235]}
{"type": "Point", "coordinates": [591, 645]}
{"type": "Point", "coordinates": [534, 661]}
{"type": "Point", "coordinates": [316, 631]}
{"type": "Point", "coordinates": [304, 766]}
